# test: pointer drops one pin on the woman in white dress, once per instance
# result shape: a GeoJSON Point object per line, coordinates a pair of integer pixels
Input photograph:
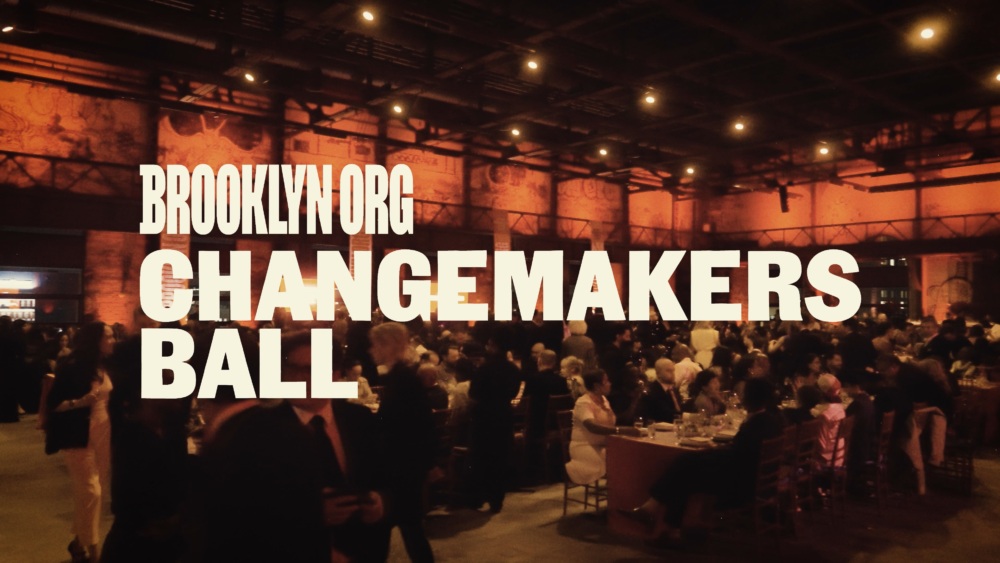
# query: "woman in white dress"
{"type": "Point", "coordinates": [78, 424]}
{"type": "Point", "coordinates": [593, 422]}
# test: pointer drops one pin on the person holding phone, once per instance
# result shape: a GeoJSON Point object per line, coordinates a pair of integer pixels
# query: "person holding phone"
{"type": "Point", "coordinates": [300, 481]}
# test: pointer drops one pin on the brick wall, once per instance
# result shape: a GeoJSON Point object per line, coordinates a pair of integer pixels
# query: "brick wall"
{"type": "Point", "coordinates": [111, 275]}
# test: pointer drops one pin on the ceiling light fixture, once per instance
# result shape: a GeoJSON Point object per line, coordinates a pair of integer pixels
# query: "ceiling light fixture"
{"type": "Point", "coordinates": [397, 108]}
{"type": "Point", "coordinates": [690, 170]}
{"type": "Point", "coordinates": [927, 33]}
{"type": "Point", "coordinates": [249, 76]}
{"type": "Point", "coordinates": [368, 15]}
{"type": "Point", "coordinates": [650, 99]}
{"type": "Point", "coordinates": [997, 77]}
{"type": "Point", "coordinates": [532, 64]}
{"type": "Point", "coordinates": [7, 28]}
{"type": "Point", "coordinates": [603, 152]}
{"type": "Point", "coordinates": [739, 126]}
{"type": "Point", "coordinates": [515, 132]}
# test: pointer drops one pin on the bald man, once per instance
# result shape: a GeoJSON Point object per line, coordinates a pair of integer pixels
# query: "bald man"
{"type": "Point", "coordinates": [661, 401]}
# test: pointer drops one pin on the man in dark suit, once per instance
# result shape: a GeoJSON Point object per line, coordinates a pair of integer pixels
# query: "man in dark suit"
{"type": "Point", "coordinates": [295, 482]}
{"type": "Point", "coordinates": [661, 402]}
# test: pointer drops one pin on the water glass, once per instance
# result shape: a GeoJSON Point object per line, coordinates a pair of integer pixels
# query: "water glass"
{"type": "Point", "coordinates": [651, 430]}
{"type": "Point", "coordinates": [639, 424]}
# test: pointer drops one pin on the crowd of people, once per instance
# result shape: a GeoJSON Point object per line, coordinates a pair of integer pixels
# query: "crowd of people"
{"type": "Point", "coordinates": [232, 479]}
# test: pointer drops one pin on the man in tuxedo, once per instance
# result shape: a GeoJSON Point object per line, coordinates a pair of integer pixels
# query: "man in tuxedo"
{"type": "Point", "coordinates": [661, 401]}
{"type": "Point", "coordinates": [298, 481]}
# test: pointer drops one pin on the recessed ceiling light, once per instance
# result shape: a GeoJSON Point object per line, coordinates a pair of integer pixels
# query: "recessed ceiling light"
{"type": "Point", "coordinates": [533, 64]}
{"type": "Point", "coordinates": [8, 28]}
{"type": "Point", "coordinates": [249, 77]}
{"type": "Point", "coordinates": [927, 33]}
{"type": "Point", "coordinates": [824, 150]}
{"type": "Point", "coordinates": [690, 170]}
{"type": "Point", "coordinates": [603, 152]}
{"type": "Point", "coordinates": [515, 132]}
{"type": "Point", "coordinates": [998, 75]}
{"type": "Point", "coordinates": [368, 16]}
{"type": "Point", "coordinates": [739, 126]}
{"type": "Point", "coordinates": [650, 99]}
{"type": "Point", "coordinates": [397, 108]}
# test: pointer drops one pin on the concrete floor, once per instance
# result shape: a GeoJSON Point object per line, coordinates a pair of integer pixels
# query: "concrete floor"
{"type": "Point", "coordinates": [35, 518]}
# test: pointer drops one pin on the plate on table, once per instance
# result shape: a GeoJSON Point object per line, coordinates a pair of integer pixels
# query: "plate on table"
{"type": "Point", "coordinates": [664, 426]}
{"type": "Point", "coordinates": [696, 442]}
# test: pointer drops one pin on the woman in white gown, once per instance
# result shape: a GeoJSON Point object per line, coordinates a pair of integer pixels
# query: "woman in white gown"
{"type": "Point", "coordinates": [593, 422]}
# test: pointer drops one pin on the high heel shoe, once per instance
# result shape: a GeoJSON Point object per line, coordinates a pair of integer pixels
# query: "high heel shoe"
{"type": "Point", "coordinates": [76, 552]}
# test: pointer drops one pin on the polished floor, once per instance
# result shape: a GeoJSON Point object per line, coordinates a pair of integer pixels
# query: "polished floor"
{"type": "Point", "coordinates": [35, 516]}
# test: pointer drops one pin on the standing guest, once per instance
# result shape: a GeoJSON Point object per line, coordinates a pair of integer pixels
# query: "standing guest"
{"type": "Point", "coordinates": [661, 401]}
{"type": "Point", "coordinates": [299, 481]}
{"type": "Point", "coordinates": [579, 344]}
{"type": "Point", "coordinates": [685, 368]}
{"type": "Point", "coordinates": [149, 454]}
{"type": "Point", "coordinates": [593, 422]}
{"type": "Point", "coordinates": [856, 350]}
{"type": "Point", "coordinates": [78, 424]}
{"type": "Point", "coordinates": [706, 394]}
{"type": "Point", "coordinates": [704, 340]}
{"type": "Point", "coordinates": [571, 368]}
{"type": "Point", "coordinates": [494, 385]}
{"type": "Point", "coordinates": [409, 436]}
{"type": "Point", "coordinates": [862, 408]}
{"type": "Point", "coordinates": [538, 388]}
{"type": "Point", "coordinates": [615, 363]}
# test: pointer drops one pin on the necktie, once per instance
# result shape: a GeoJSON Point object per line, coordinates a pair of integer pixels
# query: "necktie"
{"type": "Point", "coordinates": [332, 474]}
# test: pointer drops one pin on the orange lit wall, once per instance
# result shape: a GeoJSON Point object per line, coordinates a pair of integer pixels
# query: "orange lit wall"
{"type": "Point", "coordinates": [111, 275]}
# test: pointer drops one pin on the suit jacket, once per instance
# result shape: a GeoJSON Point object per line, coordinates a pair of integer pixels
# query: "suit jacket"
{"type": "Point", "coordinates": [659, 405]}
{"type": "Point", "coordinates": [539, 387]}
{"type": "Point", "coordinates": [263, 488]}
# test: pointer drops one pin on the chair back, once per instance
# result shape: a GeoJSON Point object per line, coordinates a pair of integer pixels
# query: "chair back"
{"type": "Point", "coordinates": [564, 422]}
{"type": "Point", "coordinates": [885, 437]}
{"type": "Point", "coordinates": [807, 445]}
{"type": "Point", "coordinates": [769, 467]}
{"type": "Point", "coordinates": [557, 404]}
{"type": "Point", "coordinates": [842, 445]}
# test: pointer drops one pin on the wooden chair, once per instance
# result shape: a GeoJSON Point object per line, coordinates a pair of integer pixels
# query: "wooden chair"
{"type": "Point", "coordinates": [593, 493]}
{"type": "Point", "coordinates": [836, 475]}
{"type": "Point", "coordinates": [964, 434]}
{"type": "Point", "coordinates": [881, 466]}
{"type": "Point", "coordinates": [557, 403]}
{"type": "Point", "coordinates": [769, 491]}
{"type": "Point", "coordinates": [803, 490]}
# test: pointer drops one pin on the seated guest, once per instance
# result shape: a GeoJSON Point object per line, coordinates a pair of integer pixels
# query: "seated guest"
{"type": "Point", "coordinates": [436, 394]}
{"type": "Point", "coordinates": [571, 368]}
{"type": "Point", "coordinates": [831, 412]}
{"type": "Point", "coordinates": [593, 422]}
{"type": "Point", "coordinates": [705, 395]}
{"type": "Point", "coordinates": [352, 372]}
{"type": "Point", "coordinates": [806, 398]}
{"type": "Point", "coordinates": [728, 473]}
{"type": "Point", "coordinates": [661, 401]}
